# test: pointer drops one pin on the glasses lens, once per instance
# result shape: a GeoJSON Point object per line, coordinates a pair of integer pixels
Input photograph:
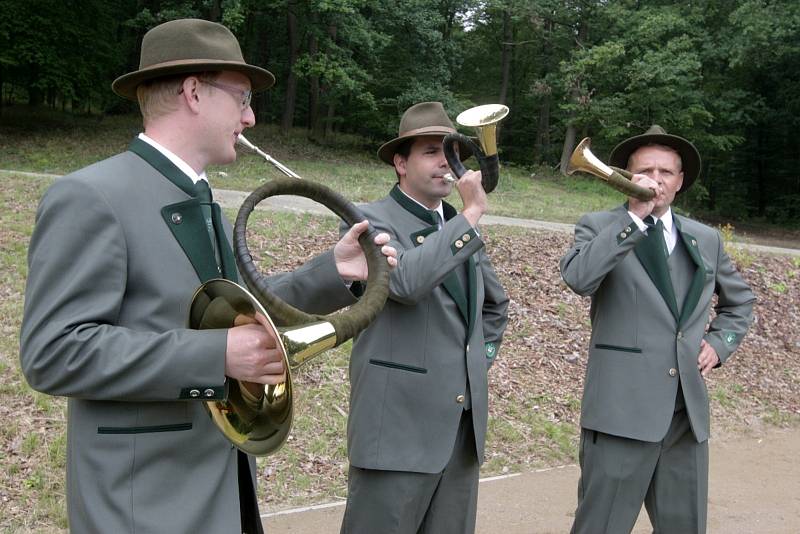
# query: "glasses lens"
{"type": "Point", "coordinates": [247, 96]}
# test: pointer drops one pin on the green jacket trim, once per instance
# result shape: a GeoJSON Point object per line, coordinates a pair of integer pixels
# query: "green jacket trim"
{"type": "Point", "coordinates": [143, 429]}
{"type": "Point", "coordinates": [186, 222]}
{"type": "Point", "coordinates": [400, 366]}
{"type": "Point", "coordinates": [617, 348]}
{"type": "Point", "coordinates": [655, 263]}
{"type": "Point", "coordinates": [698, 280]}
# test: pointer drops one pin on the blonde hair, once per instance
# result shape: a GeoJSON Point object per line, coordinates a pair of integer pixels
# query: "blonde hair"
{"type": "Point", "coordinates": [157, 97]}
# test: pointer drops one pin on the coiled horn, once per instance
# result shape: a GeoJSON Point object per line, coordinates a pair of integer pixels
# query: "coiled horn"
{"type": "Point", "coordinates": [484, 120]}
{"type": "Point", "coordinates": [261, 426]}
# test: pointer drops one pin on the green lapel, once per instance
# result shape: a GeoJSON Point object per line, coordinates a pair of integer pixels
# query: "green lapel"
{"type": "Point", "coordinates": [184, 219]}
{"type": "Point", "coordinates": [696, 287]}
{"type": "Point", "coordinates": [651, 256]}
{"type": "Point", "coordinates": [224, 247]}
{"type": "Point", "coordinates": [450, 283]}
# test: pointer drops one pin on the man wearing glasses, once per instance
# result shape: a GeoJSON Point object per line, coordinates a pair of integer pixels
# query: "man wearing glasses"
{"type": "Point", "coordinates": [118, 250]}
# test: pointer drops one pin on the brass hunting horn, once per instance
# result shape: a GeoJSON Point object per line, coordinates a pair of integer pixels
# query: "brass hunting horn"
{"type": "Point", "coordinates": [582, 160]}
{"type": "Point", "coordinates": [484, 120]}
{"type": "Point", "coordinates": [259, 423]}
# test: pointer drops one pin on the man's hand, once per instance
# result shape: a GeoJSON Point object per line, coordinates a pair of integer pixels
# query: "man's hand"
{"type": "Point", "coordinates": [643, 208]}
{"type": "Point", "coordinates": [252, 354]}
{"type": "Point", "coordinates": [350, 260]}
{"type": "Point", "coordinates": [473, 196]}
{"type": "Point", "coordinates": [707, 359]}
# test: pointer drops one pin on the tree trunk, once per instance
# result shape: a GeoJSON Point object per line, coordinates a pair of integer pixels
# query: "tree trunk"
{"type": "Point", "coordinates": [505, 61]}
{"type": "Point", "coordinates": [542, 146]}
{"type": "Point", "coordinates": [569, 146]}
{"type": "Point", "coordinates": [313, 90]}
{"type": "Point", "coordinates": [287, 120]}
{"type": "Point", "coordinates": [215, 11]}
{"type": "Point", "coordinates": [329, 121]}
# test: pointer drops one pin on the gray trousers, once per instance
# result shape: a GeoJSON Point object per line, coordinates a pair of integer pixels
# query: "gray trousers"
{"type": "Point", "coordinates": [402, 502]}
{"type": "Point", "coordinates": [618, 474]}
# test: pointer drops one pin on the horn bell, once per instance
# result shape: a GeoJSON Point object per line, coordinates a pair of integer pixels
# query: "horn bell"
{"type": "Point", "coordinates": [257, 421]}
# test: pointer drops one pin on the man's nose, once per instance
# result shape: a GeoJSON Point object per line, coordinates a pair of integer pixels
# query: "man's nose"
{"type": "Point", "coordinates": [248, 117]}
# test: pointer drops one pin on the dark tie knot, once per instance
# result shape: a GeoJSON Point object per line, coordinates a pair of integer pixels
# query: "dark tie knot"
{"type": "Point", "coordinates": [437, 219]}
{"type": "Point", "coordinates": [203, 192]}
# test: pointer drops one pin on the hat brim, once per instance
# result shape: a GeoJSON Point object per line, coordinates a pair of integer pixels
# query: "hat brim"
{"type": "Point", "coordinates": [387, 150]}
{"type": "Point", "coordinates": [690, 157]}
{"type": "Point", "coordinates": [125, 86]}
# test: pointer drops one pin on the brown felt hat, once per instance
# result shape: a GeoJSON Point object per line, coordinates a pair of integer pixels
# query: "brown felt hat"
{"type": "Point", "coordinates": [425, 118]}
{"type": "Point", "coordinates": [186, 46]}
{"type": "Point", "coordinates": [655, 135]}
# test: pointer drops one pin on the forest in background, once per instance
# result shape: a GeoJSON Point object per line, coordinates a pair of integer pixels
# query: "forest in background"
{"type": "Point", "coordinates": [722, 73]}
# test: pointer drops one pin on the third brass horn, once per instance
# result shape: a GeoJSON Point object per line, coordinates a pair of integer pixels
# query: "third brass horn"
{"type": "Point", "coordinates": [582, 160]}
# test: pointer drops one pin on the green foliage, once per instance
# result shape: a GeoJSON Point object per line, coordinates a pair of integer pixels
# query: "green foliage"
{"type": "Point", "coordinates": [722, 73]}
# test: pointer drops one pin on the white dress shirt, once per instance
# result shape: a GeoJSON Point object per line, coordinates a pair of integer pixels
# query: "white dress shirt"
{"type": "Point", "coordinates": [670, 232]}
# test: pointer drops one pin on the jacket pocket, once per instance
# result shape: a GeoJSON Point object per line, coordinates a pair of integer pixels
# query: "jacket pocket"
{"type": "Point", "coordinates": [143, 429]}
{"type": "Point", "coordinates": [617, 348]}
{"type": "Point", "coordinates": [402, 367]}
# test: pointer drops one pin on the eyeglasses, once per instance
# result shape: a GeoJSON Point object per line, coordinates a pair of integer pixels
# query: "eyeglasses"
{"type": "Point", "coordinates": [246, 96]}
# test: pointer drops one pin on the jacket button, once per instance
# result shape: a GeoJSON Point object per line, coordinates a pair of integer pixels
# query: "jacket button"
{"type": "Point", "coordinates": [194, 393]}
{"type": "Point", "coordinates": [673, 372]}
{"type": "Point", "coordinates": [694, 242]}
{"type": "Point", "coordinates": [467, 347]}
{"type": "Point", "coordinates": [680, 334]}
{"type": "Point", "coordinates": [420, 239]}
{"type": "Point", "coordinates": [459, 243]}
{"type": "Point", "coordinates": [176, 217]}
{"type": "Point", "coordinates": [465, 237]}
{"type": "Point", "coordinates": [623, 235]}
{"type": "Point", "coordinates": [460, 399]}
{"type": "Point", "coordinates": [628, 229]}
{"type": "Point", "coordinates": [208, 392]}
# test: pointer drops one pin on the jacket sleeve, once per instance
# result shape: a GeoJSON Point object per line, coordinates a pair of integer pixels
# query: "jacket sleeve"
{"type": "Point", "coordinates": [602, 240]}
{"type": "Point", "coordinates": [315, 287]}
{"type": "Point", "coordinates": [420, 269]}
{"type": "Point", "coordinates": [495, 309]}
{"type": "Point", "coordinates": [734, 308]}
{"type": "Point", "coordinates": [71, 341]}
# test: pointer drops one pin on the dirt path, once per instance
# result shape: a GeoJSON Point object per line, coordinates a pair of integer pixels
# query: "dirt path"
{"type": "Point", "coordinates": [754, 488]}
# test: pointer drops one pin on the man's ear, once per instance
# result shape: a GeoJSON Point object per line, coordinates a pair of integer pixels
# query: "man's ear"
{"type": "Point", "coordinates": [399, 164]}
{"type": "Point", "coordinates": [190, 91]}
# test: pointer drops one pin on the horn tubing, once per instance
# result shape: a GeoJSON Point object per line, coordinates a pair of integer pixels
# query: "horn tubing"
{"type": "Point", "coordinates": [490, 165]}
{"type": "Point", "coordinates": [583, 160]}
{"type": "Point", "coordinates": [358, 317]}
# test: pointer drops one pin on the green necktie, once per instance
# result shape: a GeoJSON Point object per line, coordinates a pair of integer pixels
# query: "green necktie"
{"type": "Point", "coordinates": [655, 232]}
{"type": "Point", "coordinates": [203, 193]}
{"type": "Point", "coordinates": [437, 219]}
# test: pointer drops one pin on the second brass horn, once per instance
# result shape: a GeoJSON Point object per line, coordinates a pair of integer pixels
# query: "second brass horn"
{"type": "Point", "coordinates": [255, 418]}
{"type": "Point", "coordinates": [582, 160]}
{"type": "Point", "coordinates": [484, 120]}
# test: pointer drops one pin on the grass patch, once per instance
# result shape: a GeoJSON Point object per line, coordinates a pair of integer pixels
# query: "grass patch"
{"type": "Point", "coordinates": [534, 396]}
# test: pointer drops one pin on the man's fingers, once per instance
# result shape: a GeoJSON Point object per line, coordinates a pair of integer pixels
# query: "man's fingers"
{"type": "Point", "coordinates": [358, 229]}
{"type": "Point", "coordinates": [382, 238]}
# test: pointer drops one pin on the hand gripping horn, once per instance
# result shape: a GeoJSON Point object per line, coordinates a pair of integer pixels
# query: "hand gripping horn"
{"type": "Point", "coordinates": [484, 119]}
{"type": "Point", "coordinates": [259, 424]}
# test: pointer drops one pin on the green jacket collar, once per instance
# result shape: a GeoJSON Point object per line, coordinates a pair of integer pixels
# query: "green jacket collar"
{"type": "Point", "coordinates": [186, 222]}
{"type": "Point", "coordinates": [417, 210]}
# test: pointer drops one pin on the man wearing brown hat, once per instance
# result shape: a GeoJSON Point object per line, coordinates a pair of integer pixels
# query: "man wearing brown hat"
{"type": "Point", "coordinates": [651, 275]}
{"type": "Point", "coordinates": [418, 374]}
{"type": "Point", "coordinates": [118, 250]}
